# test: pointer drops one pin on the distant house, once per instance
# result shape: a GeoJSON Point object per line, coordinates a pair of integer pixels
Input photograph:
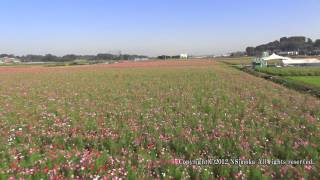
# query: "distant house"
{"type": "Point", "coordinates": [288, 53]}
{"type": "Point", "coordinates": [300, 62]}
{"type": "Point", "coordinates": [316, 52]}
{"type": "Point", "coordinates": [183, 56]}
{"type": "Point", "coordinates": [8, 60]}
{"type": "Point", "coordinates": [141, 59]}
{"type": "Point", "coordinates": [199, 57]}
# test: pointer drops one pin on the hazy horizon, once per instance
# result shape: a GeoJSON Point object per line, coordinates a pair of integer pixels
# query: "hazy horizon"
{"type": "Point", "coordinates": [143, 27]}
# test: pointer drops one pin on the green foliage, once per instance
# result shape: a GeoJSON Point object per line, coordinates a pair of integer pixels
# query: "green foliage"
{"type": "Point", "coordinates": [310, 80]}
{"type": "Point", "coordinates": [291, 71]}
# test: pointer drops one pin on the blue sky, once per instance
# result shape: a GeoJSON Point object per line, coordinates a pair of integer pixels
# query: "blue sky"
{"type": "Point", "coordinates": [151, 27]}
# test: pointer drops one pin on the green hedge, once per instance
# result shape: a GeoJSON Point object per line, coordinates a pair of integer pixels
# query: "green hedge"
{"type": "Point", "coordinates": [292, 84]}
{"type": "Point", "coordinates": [291, 71]}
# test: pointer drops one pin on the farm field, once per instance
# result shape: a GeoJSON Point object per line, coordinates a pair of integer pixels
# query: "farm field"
{"type": "Point", "coordinates": [291, 71]}
{"type": "Point", "coordinates": [236, 60]}
{"type": "Point", "coordinates": [137, 120]}
{"type": "Point", "coordinates": [242, 61]}
{"type": "Point", "coordinates": [311, 80]}
{"type": "Point", "coordinates": [297, 77]}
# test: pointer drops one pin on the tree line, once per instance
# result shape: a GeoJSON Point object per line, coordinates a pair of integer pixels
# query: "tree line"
{"type": "Point", "coordinates": [301, 44]}
{"type": "Point", "coordinates": [164, 57]}
{"type": "Point", "coordinates": [73, 57]}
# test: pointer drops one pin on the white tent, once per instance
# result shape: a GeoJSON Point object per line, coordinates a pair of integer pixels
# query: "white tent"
{"type": "Point", "coordinates": [262, 61]}
{"type": "Point", "coordinates": [274, 57]}
{"type": "Point", "coordinates": [286, 61]}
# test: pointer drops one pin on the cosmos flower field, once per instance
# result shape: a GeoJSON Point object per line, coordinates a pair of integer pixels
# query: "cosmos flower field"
{"type": "Point", "coordinates": [138, 120]}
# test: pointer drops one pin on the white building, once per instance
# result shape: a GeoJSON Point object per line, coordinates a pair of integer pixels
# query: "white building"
{"type": "Point", "coordinates": [183, 56]}
{"type": "Point", "coordinates": [8, 60]}
{"type": "Point", "coordinates": [301, 62]}
{"type": "Point", "coordinates": [141, 59]}
{"type": "Point", "coordinates": [289, 53]}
